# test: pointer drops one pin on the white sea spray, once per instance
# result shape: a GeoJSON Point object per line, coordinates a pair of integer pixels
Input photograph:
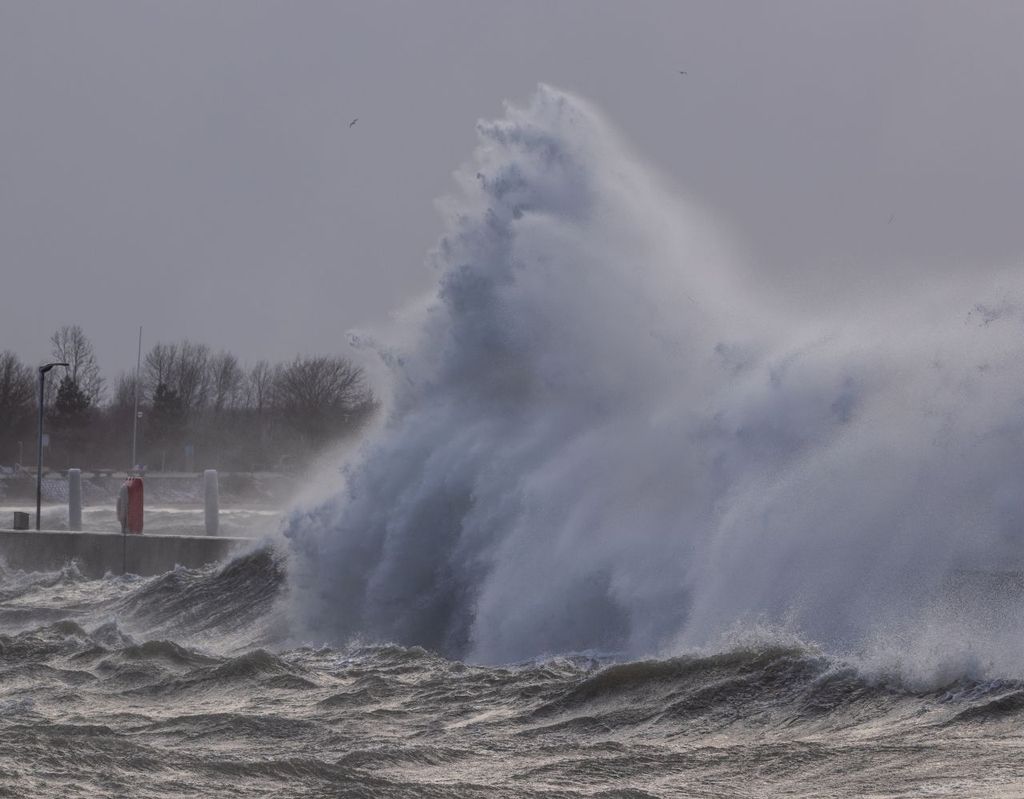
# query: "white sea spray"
{"type": "Point", "coordinates": [598, 439]}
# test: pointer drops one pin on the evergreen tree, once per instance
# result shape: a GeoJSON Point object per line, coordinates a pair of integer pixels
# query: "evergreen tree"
{"type": "Point", "coordinates": [70, 418]}
{"type": "Point", "coordinates": [167, 418]}
{"type": "Point", "coordinates": [72, 403]}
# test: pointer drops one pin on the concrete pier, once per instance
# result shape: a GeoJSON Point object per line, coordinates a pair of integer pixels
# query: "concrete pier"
{"type": "Point", "coordinates": [100, 553]}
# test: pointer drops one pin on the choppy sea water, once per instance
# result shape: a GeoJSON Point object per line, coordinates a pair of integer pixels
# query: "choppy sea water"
{"type": "Point", "coordinates": [182, 685]}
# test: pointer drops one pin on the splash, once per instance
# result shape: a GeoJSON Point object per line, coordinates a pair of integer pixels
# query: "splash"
{"type": "Point", "coordinates": [597, 440]}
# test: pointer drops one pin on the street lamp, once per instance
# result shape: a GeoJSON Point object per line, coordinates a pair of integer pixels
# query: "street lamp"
{"type": "Point", "coordinates": [138, 413]}
{"type": "Point", "coordinates": [39, 458]}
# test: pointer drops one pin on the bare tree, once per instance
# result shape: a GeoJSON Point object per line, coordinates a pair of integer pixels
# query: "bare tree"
{"type": "Point", "coordinates": [158, 368]}
{"type": "Point", "coordinates": [70, 345]}
{"type": "Point", "coordinates": [227, 381]}
{"type": "Point", "coordinates": [17, 402]}
{"type": "Point", "coordinates": [260, 386]}
{"type": "Point", "coordinates": [197, 404]}
{"type": "Point", "coordinates": [192, 376]}
{"type": "Point", "coordinates": [124, 392]}
{"type": "Point", "coordinates": [321, 396]}
{"type": "Point", "coordinates": [17, 386]}
{"type": "Point", "coordinates": [322, 383]}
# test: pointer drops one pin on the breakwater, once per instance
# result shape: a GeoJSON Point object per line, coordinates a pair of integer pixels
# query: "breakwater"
{"type": "Point", "coordinates": [98, 554]}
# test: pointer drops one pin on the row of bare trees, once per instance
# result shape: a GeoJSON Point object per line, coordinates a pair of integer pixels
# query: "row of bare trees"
{"type": "Point", "coordinates": [198, 408]}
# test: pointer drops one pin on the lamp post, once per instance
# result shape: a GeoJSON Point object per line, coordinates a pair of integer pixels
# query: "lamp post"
{"type": "Point", "coordinates": [39, 457]}
{"type": "Point", "coordinates": [137, 415]}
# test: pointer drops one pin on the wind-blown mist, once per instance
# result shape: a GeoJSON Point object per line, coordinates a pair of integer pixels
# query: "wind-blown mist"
{"type": "Point", "coordinates": [597, 441]}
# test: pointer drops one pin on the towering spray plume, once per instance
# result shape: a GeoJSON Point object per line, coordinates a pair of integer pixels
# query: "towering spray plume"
{"type": "Point", "coordinates": [596, 442]}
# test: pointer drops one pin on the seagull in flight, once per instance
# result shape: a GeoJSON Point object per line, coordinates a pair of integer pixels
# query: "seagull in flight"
{"type": "Point", "coordinates": [682, 72]}
{"type": "Point", "coordinates": [353, 122]}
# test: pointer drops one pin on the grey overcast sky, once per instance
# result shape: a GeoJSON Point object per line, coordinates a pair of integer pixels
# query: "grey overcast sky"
{"type": "Point", "coordinates": [189, 166]}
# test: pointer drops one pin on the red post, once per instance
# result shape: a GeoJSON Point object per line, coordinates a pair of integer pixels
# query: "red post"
{"type": "Point", "coordinates": [129, 505]}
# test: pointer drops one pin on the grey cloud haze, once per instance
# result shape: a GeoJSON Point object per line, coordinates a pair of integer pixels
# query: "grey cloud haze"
{"type": "Point", "coordinates": [189, 166]}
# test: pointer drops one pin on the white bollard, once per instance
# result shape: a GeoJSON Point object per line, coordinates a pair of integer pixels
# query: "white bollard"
{"type": "Point", "coordinates": [74, 499]}
{"type": "Point", "coordinates": [212, 501]}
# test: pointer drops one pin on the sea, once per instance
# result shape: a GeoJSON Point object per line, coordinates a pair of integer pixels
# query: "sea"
{"type": "Point", "coordinates": [178, 685]}
{"type": "Point", "coordinates": [629, 523]}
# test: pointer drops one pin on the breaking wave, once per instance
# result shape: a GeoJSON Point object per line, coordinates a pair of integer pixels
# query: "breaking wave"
{"type": "Point", "coordinates": [599, 440]}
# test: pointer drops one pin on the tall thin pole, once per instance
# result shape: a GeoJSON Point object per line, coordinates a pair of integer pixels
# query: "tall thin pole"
{"type": "Point", "coordinates": [135, 415]}
{"type": "Point", "coordinates": [39, 451]}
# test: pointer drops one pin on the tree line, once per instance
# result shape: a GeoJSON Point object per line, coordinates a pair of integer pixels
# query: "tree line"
{"type": "Point", "coordinates": [198, 408]}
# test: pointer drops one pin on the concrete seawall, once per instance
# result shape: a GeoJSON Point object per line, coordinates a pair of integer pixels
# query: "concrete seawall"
{"type": "Point", "coordinates": [99, 553]}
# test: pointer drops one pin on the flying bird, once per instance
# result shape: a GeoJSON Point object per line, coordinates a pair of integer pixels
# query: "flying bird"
{"type": "Point", "coordinates": [682, 72]}
{"type": "Point", "coordinates": [891, 217]}
{"type": "Point", "coordinates": [350, 124]}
